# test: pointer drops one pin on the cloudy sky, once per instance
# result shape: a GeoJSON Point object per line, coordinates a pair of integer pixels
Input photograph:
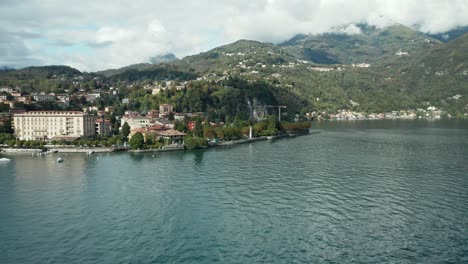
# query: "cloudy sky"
{"type": "Point", "coordinates": [94, 35]}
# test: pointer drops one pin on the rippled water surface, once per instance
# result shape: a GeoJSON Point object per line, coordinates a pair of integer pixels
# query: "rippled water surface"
{"type": "Point", "coordinates": [357, 192]}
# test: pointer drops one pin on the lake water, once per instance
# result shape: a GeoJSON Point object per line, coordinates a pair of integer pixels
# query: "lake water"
{"type": "Point", "coordinates": [357, 192]}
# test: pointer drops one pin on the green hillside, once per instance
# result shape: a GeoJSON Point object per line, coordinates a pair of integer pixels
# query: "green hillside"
{"type": "Point", "coordinates": [367, 47]}
{"type": "Point", "coordinates": [375, 71]}
{"type": "Point", "coordinates": [39, 72]}
{"type": "Point", "coordinates": [392, 82]}
{"type": "Point", "coordinates": [41, 79]}
{"type": "Point", "coordinates": [440, 74]}
{"type": "Point", "coordinates": [229, 56]}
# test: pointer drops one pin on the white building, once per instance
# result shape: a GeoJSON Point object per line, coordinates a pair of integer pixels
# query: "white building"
{"type": "Point", "coordinates": [44, 97]}
{"type": "Point", "coordinates": [155, 91]}
{"type": "Point", "coordinates": [6, 89]}
{"type": "Point", "coordinates": [166, 108]}
{"type": "Point", "coordinates": [136, 121]}
{"type": "Point", "coordinates": [44, 125]}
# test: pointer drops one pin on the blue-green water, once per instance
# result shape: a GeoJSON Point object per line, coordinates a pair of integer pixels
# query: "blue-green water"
{"type": "Point", "coordinates": [358, 192]}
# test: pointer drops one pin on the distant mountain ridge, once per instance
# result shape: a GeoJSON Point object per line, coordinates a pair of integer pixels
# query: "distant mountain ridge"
{"type": "Point", "coordinates": [369, 46]}
{"type": "Point", "coordinates": [40, 72]}
{"type": "Point", "coordinates": [451, 34]}
{"type": "Point", "coordinates": [163, 58]}
{"type": "Point", "coordinates": [377, 69]}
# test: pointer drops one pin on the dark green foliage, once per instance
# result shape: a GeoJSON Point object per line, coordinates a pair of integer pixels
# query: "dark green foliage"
{"type": "Point", "coordinates": [6, 138]}
{"type": "Point", "coordinates": [4, 108]}
{"type": "Point", "coordinates": [45, 79]}
{"type": "Point", "coordinates": [180, 126]}
{"type": "Point", "coordinates": [125, 131]}
{"type": "Point", "coordinates": [295, 127]}
{"type": "Point", "coordinates": [41, 72]}
{"type": "Point", "coordinates": [195, 142]}
{"type": "Point", "coordinates": [137, 141]}
{"type": "Point", "coordinates": [208, 131]}
{"type": "Point", "coordinates": [6, 126]}
{"type": "Point", "coordinates": [141, 72]}
{"type": "Point", "coordinates": [231, 133]}
{"type": "Point", "coordinates": [259, 127]}
{"type": "Point", "coordinates": [198, 131]}
{"type": "Point", "coordinates": [98, 141]}
{"type": "Point", "coordinates": [152, 139]}
{"type": "Point", "coordinates": [171, 116]}
{"type": "Point", "coordinates": [273, 127]}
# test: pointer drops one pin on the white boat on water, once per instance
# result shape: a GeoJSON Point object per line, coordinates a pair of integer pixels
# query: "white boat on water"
{"type": "Point", "coordinates": [5, 160]}
{"type": "Point", "coordinates": [60, 160]}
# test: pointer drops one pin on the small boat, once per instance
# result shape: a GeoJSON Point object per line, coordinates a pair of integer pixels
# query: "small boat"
{"type": "Point", "coordinates": [60, 160]}
{"type": "Point", "coordinates": [5, 160]}
{"type": "Point", "coordinates": [90, 152]}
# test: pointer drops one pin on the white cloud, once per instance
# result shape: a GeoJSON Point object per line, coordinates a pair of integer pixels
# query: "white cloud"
{"type": "Point", "coordinates": [351, 29]}
{"type": "Point", "coordinates": [94, 35]}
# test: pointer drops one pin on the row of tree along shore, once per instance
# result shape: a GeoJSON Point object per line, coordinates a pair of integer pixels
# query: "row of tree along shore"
{"type": "Point", "coordinates": [203, 135]}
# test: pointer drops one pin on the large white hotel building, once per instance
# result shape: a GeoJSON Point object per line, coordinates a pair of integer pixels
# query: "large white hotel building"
{"type": "Point", "coordinates": [46, 125]}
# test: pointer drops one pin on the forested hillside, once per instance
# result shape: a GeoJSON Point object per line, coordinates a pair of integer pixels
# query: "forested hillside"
{"type": "Point", "coordinates": [375, 70]}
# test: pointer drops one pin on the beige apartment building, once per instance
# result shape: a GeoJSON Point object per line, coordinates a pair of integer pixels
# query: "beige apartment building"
{"type": "Point", "coordinates": [46, 125]}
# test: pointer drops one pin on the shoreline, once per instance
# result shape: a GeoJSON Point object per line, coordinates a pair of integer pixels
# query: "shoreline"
{"type": "Point", "coordinates": [54, 149]}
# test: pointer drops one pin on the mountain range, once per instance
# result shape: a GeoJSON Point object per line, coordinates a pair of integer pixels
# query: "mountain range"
{"type": "Point", "coordinates": [374, 70]}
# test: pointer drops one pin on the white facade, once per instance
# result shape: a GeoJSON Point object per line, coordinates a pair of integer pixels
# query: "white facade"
{"type": "Point", "coordinates": [136, 121]}
{"type": "Point", "coordinates": [166, 108]}
{"type": "Point", "coordinates": [6, 90]}
{"type": "Point", "coordinates": [44, 97]}
{"type": "Point", "coordinates": [43, 125]}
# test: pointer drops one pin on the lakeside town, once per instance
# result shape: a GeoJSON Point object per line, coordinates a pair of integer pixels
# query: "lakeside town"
{"type": "Point", "coordinates": [156, 129]}
{"type": "Point", "coordinates": [90, 111]}
{"type": "Point", "coordinates": [161, 127]}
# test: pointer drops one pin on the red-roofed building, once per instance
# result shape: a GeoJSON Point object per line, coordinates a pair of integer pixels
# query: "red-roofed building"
{"type": "Point", "coordinates": [143, 130]}
{"type": "Point", "coordinates": [191, 125]}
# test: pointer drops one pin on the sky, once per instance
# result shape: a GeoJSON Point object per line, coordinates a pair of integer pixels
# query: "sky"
{"type": "Point", "coordinates": [93, 35]}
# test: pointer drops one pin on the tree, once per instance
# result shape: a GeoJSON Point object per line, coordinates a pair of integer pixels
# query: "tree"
{"type": "Point", "coordinates": [4, 108]}
{"type": "Point", "coordinates": [228, 121]}
{"type": "Point", "coordinates": [259, 127]}
{"type": "Point", "coordinates": [171, 116]}
{"type": "Point", "coordinates": [208, 131]}
{"type": "Point", "coordinates": [195, 142]}
{"type": "Point", "coordinates": [180, 126]}
{"type": "Point", "coordinates": [151, 138]}
{"type": "Point", "coordinates": [4, 138]}
{"type": "Point", "coordinates": [232, 133]}
{"type": "Point", "coordinates": [6, 127]}
{"type": "Point", "coordinates": [198, 131]}
{"type": "Point", "coordinates": [237, 122]}
{"type": "Point", "coordinates": [125, 131]}
{"type": "Point", "coordinates": [272, 129]}
{"type": "Point", "coordinates": [137, 141]}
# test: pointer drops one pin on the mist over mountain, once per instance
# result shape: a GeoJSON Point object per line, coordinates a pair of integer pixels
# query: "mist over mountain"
{"type": "Point", "coordinates": [450, 35]}
{"type": "Point", "coordinates": [163, 58]}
